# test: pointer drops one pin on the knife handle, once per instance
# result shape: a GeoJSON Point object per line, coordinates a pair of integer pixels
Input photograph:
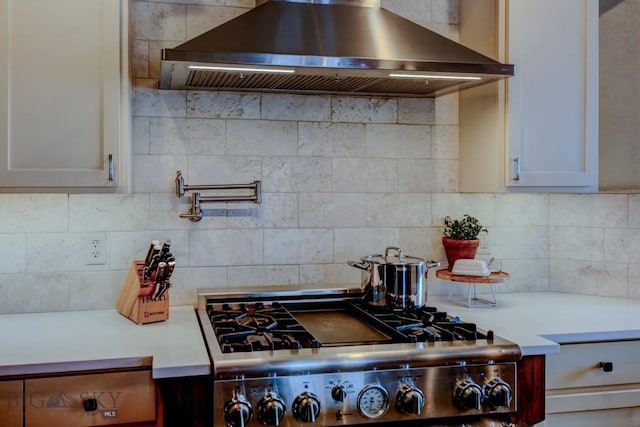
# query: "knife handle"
{"type": "Point", "coordinates": [150, 251]}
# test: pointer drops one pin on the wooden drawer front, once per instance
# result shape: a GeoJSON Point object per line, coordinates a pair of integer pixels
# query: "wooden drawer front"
{"type": "Point", "coordinates": [123, 397]}
{"type": "Point", "coordinates": [578, 365]}
{"type": "Point", "coordinates": [11, 403]}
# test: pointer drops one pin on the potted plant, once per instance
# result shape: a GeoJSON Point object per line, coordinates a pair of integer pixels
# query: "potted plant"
{"type": "Point", "coordinates": [460, 240]}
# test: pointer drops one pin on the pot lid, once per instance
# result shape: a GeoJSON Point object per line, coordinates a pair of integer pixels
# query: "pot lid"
{"type": "Point", "coordinates": [393, 255]}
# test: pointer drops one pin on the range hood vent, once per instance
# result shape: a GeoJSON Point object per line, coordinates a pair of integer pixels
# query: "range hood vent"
{"type": "Point", "coordinates": [351, 47]}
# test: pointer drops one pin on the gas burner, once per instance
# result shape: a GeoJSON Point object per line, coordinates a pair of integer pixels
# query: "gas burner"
{"type": "Point", "coordinates": [256, 327]}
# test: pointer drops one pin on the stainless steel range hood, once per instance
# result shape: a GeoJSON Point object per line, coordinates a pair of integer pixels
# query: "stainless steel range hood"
{"type": "Point", "coordinates": [352, 47]}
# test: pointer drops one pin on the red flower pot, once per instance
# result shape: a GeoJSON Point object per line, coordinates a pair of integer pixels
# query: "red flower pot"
{"type": "Point", "coordinates": [459, 249]}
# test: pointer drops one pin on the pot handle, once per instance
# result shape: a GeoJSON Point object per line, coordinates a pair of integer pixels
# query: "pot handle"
{"type": "Point", "coordinates": [358, 265]}
{"type": "Point", "coordinates": [430, 264]}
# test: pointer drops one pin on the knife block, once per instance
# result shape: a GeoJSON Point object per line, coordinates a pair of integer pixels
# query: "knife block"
{"type": "Point", "coordinates": [135, 300]}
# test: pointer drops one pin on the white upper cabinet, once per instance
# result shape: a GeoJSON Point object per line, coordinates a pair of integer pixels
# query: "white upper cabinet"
{"type": "Point", "coordinates": [536, 131]}
{"type": "Point", "coordinates": [63, 94]}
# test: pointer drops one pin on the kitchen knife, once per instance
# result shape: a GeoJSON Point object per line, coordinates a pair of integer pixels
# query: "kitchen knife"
{"type": "Point", "coordinates": [151, 251]}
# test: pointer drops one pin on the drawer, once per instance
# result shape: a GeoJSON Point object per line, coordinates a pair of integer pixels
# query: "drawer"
{"type": "Point", "coordinates": [578, 365]}
{"type": "Point", "coordinates": [11, 403]}
{"type": "Point", "coordinates": [120, 397]}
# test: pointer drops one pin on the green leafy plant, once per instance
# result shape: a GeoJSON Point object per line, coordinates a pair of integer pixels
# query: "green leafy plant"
{"type": "Point", "coordinates": [466, 228]}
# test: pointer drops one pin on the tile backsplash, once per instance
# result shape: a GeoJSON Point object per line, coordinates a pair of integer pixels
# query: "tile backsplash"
{"type": "Point", "coordinates": [343, 177]}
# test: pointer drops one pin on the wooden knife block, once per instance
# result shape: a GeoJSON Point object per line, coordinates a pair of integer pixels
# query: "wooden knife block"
{"type": "Point", "coordinates": [135, 300]}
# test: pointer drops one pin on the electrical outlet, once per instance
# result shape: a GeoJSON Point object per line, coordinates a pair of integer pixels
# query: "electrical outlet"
{"type": "Point", "coordinates": [96, 251]}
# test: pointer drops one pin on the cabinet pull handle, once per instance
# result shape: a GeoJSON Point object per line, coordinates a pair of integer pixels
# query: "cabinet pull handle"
{"type": "Point", "coordinates": [111, 167]}
{"type": "Point", "coordinates": [606, 366]}
{"type": "Point", "coordinates": [517, 177]}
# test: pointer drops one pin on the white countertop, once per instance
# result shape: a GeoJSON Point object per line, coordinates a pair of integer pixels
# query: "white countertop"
{"type": "Point", "coordinates": [36, 343]}
{"type": "Point", "coordinates": [540, 321]}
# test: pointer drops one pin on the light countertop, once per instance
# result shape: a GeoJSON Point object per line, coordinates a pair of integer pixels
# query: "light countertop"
{"type": "Point", "coordinates": [540, 321]}
{"type": "Point", "coordinates": [34, 343]}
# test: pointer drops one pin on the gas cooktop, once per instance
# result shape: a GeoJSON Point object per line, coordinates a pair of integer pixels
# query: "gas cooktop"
{"type": "Point", "coordinates": [327, 357]}
{"type": "Point", "coordinates": [246, 327]}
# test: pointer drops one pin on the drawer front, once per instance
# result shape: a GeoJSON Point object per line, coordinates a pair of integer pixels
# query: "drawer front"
{"type": "Point", "coordinates": [578, 365]}
{"type": "Point", "coordinates": [122, 397]}
{"type": "Point", "coordinates": [557, 402]}
{"type": "Point", "coordinates": [11, 403]}
{"type": "Point", "coordinates": [627, 417]}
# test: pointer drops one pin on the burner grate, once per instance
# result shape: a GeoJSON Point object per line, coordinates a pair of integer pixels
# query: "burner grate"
{"type": "Point", "coordinates": [247, 328]}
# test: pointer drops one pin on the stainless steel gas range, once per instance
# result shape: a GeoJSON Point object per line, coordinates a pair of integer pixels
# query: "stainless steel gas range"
{"type": "Point", "coordinates": [324, 357]}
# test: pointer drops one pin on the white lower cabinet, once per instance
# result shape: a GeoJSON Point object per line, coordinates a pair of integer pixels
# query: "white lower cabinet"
{"type": "Point", "coordinates": [593, 384]}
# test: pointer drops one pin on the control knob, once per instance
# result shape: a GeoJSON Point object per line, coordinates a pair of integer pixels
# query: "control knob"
{"type": "Point", "coordinates": [468, 394]}
{"type": "Point", "coordinates": [237, 411]}
{"type": "Point", "coordinates": [271, 409]}
{"type": "Point", "coordinates": [409, 399]}
{"type": "Point", "coordinates": [338, 393]}
{"type": "Point", "coordinates": [496, 393]}
{"type": "Point", "coordinates": [306, 407]}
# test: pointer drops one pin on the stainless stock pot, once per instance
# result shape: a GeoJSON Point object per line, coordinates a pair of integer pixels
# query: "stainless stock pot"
{"type": "Point", "coordinates": [394, 279]}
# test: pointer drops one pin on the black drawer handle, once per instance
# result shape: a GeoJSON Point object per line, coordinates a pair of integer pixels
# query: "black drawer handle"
{"type": "Point", "coordinates": [90, 405]}
{"type": "Point", "coordinates": [606, 366]}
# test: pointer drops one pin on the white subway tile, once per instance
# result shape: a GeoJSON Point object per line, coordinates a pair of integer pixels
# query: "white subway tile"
{"type": "Point", "coordinates": [296, 174]}
{"type": "Point", "coordinates": [456, 205]}
{"type": "Point", "coordinates": [296, 107]}
{"type": "Point", "coordinates": [332, 210]}
{"type": "Point", "coordinates": [262, 137]}
{"type": "Point", "coordinates": [576, 243]}
{"type": "Point", "coordinates": [34, 293]}
{"type": "Point", "coordinates": [97, 290]}
{"type": "Point", "coordinates": [34, 213]}
{"type": "Point", "coordinates": [332, 139]}
{"type": "Point", "coordinates": [208, 170]}
{"type": "Point", "coordinates": [416, 111]}
{"type": "Point", "coordinates": [399, 141]}
{"type": "Point", "coordinates": [428, 176]}
{"type": "Point", "coordinates": [222, 105]}
{"type": "Point", "coordinates": [159, 21]}
{"type": "Point", "coordinates": [264, 275]}
{"type": "Point", "coordinates": [88, 212]}
{"type": "Point", "coordinates": [186, 136]}
{"type": "Point", "coordinates": [13, 253]}
{"type": "Point", "coordinates": [226, 247]}
{"type": "Point", "coordinates": [353, 243]}
{"type": "Point", "coordinates": [398, 210]}
{"type": "Point", "coordinates": [445, 142]}
{"type": "Point", "coordinates": [156, 173]}
{"type": "Point", "coordinates": [588, 210]}
{"type": "Point", "coordinates": [298, 246]}
{"type": "Point", "coordinates": [159, 103]}
{"type": "Point", "coordinates": [622, 245]}
{"type": "Point", "coordinates": [364, 110]}
{"type": "Point", "coordinates": [521, 209]}
{"type": "Point", "coordinates": [357, 175]}
{"type": "Point", "coordinates": [330, 275]}
{"type": "Point", "coordinates": [588, 277]}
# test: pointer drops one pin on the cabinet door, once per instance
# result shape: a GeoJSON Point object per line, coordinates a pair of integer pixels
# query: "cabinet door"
{"type": "Point", "coordinates": [552, 101]}
{"type": "Point", "coordinates": [11, 403]}
{"type": "Point", "coordinates": [60, 93]}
